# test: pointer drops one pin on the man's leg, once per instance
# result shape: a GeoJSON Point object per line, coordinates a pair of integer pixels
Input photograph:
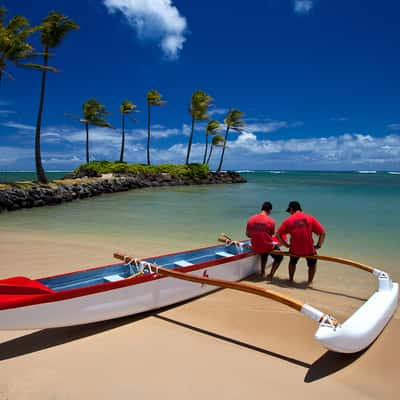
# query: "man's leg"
{"type": "Point", "coordinates": [292, 268]}
{"type": "Point", "coordinates": [263, 260]}
{"type": "Point", "coordinates": [275, 265]}
{"type": "Point", "coordinates": [312, 268]}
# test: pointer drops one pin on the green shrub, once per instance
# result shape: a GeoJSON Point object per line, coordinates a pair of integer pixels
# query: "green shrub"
{"type": "Point", "coordinates": [96, 168]}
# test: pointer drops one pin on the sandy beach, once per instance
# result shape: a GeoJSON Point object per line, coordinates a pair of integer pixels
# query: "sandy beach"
{"type": "Point", "coordinates": [225, 345]}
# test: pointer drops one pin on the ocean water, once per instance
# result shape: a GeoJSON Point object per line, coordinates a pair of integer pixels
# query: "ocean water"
{"type": "Point", "coordinates": [16, 176]}
{"type": "Point", "coordinates": [358, 210]}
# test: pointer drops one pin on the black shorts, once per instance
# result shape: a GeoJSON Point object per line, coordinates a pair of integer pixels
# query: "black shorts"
{"type": "Point", "coordinates": [276, 257]}
{"type": "Point", "coordinates": [311, 262]}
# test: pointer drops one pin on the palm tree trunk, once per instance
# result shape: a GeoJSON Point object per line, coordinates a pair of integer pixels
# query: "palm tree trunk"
{"type": "Point", "coordinates": [209, 156]}
{"type": "Point", "coordinates": [148, 133]}
{"type": "Point", "coordinates": [223, 150]}
{"type": "Point", "coordinates": [121, 157]}
{"type": "Point", "coordinates": [87, 141]}
{"type": "Point", "coordinates": [2, 65]}
{"type": "Point", "coordinates": [206, 149]}
{"type": "Point", "coordinates": [190, 142]}
{"type": "Point", "coordinates": [41, 175]}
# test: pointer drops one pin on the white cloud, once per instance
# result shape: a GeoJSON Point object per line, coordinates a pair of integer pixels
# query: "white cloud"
{"type": "Point", "coordinates": [270, 125]}
{"type": "Point", "coordinates": [155, 20]}
{"type": "Point", "coordinates": [16, 125]}
{"type": "Point", "coordinates": [303, 7]}
{"type": "Point", "coordinates": [218, 111]}
{"type": "Point", "coordinates": [11, 154]}
{"type": "Point", "coordinates": [6, 113]}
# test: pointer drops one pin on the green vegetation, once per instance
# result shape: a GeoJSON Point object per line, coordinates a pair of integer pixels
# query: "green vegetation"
{"type": "Point", "coordinates": [213, 127]}
{"type": "Point", "coordinates": [153, 99]}
{"type": "Point", "coordinates": [232, 121]}
{"type": "Point", "coordinates": [96, 168]}
{"type": "Point", "coordinates": [199, 112]}
{"type": "Point", "coordinates": [217, 141]}
{"type": "Point", "coordinates": [53, 30]}
{"type": "Point", "coordinates": [127, 107]}
{"type": "Point", "coordinates": [14, 46]}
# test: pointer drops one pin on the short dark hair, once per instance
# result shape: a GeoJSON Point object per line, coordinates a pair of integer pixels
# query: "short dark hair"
{"type": "Point", "coordinates": [267, 206]}
{"type": "Point", "coordinates": [294, 205]}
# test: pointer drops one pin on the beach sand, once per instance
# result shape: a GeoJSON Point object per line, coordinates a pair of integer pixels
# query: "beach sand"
{"type": "Point", "coordinates": [226, 345]}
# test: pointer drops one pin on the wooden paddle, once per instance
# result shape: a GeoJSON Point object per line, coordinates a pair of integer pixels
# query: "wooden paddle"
{"type": "Point", "coordinates": [227, 240]}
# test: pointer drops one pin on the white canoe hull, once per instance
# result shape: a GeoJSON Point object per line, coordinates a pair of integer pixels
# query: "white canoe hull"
{"type": "Point", "coordinates": [123, 301]}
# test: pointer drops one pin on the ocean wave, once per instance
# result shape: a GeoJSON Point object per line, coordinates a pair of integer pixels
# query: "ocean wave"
{"type": "Point", "coordinates": [275, 172]}
{"type": "Point", "coordinates": [394, 172]}
{"type": "Point", "coordinates": [240, 171]}
{"type": "Point", "coordinates": [366, 172]}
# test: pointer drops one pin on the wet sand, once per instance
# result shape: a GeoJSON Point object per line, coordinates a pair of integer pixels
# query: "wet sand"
{"type": "Point", "coordinates": [226, 345]}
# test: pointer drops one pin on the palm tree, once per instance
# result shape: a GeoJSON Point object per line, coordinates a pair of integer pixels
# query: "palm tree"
{"type": "Point", "coordinates": [212, 128]}
{"type": "Point", "coordinates": [13, 43]}
{"type": "Point", "coordinates": [127, 107]}
{"type": "Point", "coordinates": [93, 114]}
{"type": "Point", "coordinates": [198, 110]}
{"type": "Point", "coordinates": [232, 121]}
{"type": "Point", "coordinates": [153, 99]}
{"type": "Point", "coordinates": [217, 141]}
{"type": "Point", "coordinates": [53, 30]}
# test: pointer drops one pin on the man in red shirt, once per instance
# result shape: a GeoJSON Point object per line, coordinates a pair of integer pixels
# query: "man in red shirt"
{"type": "Point", "coordinates": [300, 227]}
{"type": "Point", "coordinates": [260, 229]}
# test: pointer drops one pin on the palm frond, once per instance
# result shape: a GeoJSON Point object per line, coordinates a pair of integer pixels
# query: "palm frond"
{"type": "Point", "coordinates": [38, 67]}
{"type": "Point", "coordinates": [199, 105]}
{"type": "Point", "coordinates": [55, 26]}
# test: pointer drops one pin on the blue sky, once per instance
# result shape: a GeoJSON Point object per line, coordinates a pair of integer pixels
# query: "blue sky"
{"type": "Point", "coordinates": [318, 81]}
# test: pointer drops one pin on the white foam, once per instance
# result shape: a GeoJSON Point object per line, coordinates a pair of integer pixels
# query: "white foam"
{"type": "Point", "coordinates": [366, 172]}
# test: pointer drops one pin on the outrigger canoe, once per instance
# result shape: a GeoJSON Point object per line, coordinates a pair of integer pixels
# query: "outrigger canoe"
{"type": "Point", "coordinates": [134, 286]}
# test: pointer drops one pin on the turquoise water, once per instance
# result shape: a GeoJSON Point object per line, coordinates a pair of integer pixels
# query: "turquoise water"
{"type": "Point", "coordinates": [359, 211]}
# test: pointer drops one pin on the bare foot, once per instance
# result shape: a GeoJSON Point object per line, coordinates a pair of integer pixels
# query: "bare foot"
{"type": "Point", "coordinates": [269, 277]}
{"type": "Point", "coordinates": [291, 282]}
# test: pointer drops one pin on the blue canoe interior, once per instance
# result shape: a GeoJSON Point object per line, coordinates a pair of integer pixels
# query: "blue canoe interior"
{"type": "Point", "coordinates": [116, 272]}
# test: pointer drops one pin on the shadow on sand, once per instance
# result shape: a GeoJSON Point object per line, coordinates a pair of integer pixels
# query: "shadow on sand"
{"type": "Point", "coordinates": [330, 363]}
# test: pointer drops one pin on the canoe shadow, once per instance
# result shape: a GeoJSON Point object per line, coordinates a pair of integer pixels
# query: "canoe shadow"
{"type": "Point", "coordinates": [330, 363]}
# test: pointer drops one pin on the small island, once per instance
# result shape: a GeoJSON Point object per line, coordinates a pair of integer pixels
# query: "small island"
{"type": "Point", "coordinates": [99, 177]}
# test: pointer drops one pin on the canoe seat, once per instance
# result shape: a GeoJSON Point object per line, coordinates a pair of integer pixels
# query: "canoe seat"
{"type": "Point", "coordinates": [113, 278]}
{"type": "Point", "coordinates": [182, 263]}
{"type": "Point", "coordinates": [223, 254]}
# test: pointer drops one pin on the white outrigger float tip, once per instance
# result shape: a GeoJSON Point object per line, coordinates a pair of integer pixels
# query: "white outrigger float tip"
{"type": "Point", "coordinates": [364, 326]}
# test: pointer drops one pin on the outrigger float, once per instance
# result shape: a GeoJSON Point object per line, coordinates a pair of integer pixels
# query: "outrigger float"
{"type": "Point", "coordinates": [136, 286]}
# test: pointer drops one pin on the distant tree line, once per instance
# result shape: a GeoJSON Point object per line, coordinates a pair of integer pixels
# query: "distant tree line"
{"type": "Point", "coordinates": [15, 49]}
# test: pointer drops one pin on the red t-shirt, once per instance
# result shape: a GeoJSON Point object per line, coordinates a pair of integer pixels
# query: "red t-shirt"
{"type": "Point", "coordinates": [300, 227]}
{"type": "Point", "coordinates": [260, 228]}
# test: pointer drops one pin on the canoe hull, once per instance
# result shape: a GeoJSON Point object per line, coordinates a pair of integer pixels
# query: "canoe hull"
{"type": "Point", "coordinates": [136, 298]}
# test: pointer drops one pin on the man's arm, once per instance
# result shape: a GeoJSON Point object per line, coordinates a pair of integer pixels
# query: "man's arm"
{"type": "Point", "coordinates": [320, 231]}
{"type": "Point", "coordinates": [281, 240]}
{"type": "Point", "coordinates": [321, 239]}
